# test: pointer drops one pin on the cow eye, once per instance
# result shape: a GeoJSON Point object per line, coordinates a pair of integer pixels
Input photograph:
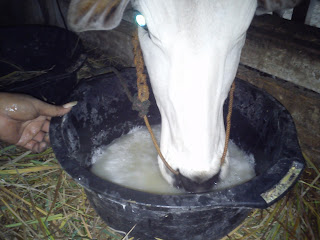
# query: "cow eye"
{"type": "Point", "coordinates": [140, 20]}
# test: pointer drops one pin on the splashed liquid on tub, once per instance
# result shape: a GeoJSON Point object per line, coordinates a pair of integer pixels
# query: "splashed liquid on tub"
{"type": "Point", "coordinates": [131, 161]}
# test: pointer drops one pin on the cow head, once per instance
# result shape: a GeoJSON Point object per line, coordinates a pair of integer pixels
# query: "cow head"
{"type": "Point", "coordinates": [191, 49]}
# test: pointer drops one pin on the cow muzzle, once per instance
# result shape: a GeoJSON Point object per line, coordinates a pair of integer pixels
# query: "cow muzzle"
{"type": "Point", "coordinates": [192, 186]}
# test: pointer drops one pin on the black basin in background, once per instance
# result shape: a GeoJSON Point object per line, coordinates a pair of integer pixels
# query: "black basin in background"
{"type": "Point", "coordinates": [260, 125]}
{"type": "Point", "coordinates": [27, 48]}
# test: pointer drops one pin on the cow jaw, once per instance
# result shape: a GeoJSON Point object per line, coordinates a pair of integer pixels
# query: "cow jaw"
{"type": "Point", "coordinates": [191, 68]}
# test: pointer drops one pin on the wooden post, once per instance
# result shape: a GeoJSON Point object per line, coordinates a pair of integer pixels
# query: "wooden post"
{"type": "Point", "coordinates": [284, 49]}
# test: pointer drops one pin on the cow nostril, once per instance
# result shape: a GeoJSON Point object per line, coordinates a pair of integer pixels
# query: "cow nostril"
{"type": "Point", "coordinates": [193, 186]}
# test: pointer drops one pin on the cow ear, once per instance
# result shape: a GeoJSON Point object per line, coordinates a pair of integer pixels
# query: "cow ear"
{"type": "Point", "coordinates": [86, 15]}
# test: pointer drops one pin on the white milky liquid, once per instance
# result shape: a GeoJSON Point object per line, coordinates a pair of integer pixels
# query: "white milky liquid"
{"type": "Point", "coordinates": [131, 161]}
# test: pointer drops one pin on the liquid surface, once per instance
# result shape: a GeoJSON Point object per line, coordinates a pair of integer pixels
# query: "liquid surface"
{"type": "Point", "coordinates": [131, 161]}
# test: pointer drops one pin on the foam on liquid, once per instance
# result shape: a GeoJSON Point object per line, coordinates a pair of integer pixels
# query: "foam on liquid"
{"type": "Point", "coordinates": [131, 161]}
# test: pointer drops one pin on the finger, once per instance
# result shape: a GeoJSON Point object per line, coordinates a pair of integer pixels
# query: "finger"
{"type": "Point", "coordinates": [47, 138]}
{"type": "Point", "coordinates": [36, 147]}
{"type": "Point", "coordinates": [45, 129]}
{"type": "Point", "coordinates": [30, 130]}
{"type": "Point", "coordinates": [52, 110]}
{"type": "Point", "coordinates": [39, 136]}
{"type": "Point", "coordinates": [46, 126]}
{"type": "Point", "coordinates": [42, 146]}
{"type": "Point", "coordinates": [31, 145]}
{"type": "Point", "coordinates": [26, 137]}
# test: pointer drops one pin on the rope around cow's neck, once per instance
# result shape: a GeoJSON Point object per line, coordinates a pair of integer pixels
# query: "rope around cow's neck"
{"type": "Point", "coordinates": [143, 96]}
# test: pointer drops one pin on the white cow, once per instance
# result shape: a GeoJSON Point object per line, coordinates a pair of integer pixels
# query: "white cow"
{"type": "Point", "coordinates": [191, 50]}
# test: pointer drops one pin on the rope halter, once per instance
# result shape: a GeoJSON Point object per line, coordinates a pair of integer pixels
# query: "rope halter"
{"type": "Point", "coordinates": [141, 103]}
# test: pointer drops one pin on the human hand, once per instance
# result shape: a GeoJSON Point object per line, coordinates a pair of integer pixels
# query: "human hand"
{"type": "Point", "coordinates": [25, 121]}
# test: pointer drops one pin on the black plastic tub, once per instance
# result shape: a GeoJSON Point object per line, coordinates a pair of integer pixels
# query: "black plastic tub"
{"type": "Point", "coordinates": [38, 48]}
{"type": "Point", "coordinates": [260, 125]}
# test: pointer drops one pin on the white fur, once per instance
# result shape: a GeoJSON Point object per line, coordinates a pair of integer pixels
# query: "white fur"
{"type": "Point", "coordinates": [192, 53]}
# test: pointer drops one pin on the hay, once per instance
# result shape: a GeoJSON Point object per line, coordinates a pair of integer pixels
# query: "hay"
{"type": "Point", "coordinates": [19, 75]}
{"type": "Point", "coordinates": [295, 216]}
{"type": "Point", "coordinates": [38, 200]}
{"type": "Point", "coordinates": [98, 63]}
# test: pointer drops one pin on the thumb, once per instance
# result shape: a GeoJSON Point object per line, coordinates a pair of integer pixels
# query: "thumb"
{"type": "Point", "coordinates": [49, 110]}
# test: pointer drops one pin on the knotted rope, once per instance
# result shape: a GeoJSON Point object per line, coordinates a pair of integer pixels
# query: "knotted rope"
{"type": "Point", "coordinates": [143, 95]}
{"type": "Point", "coordinates": [141, 103]}
{"type": "Point", "coordinates": [233, 86]}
